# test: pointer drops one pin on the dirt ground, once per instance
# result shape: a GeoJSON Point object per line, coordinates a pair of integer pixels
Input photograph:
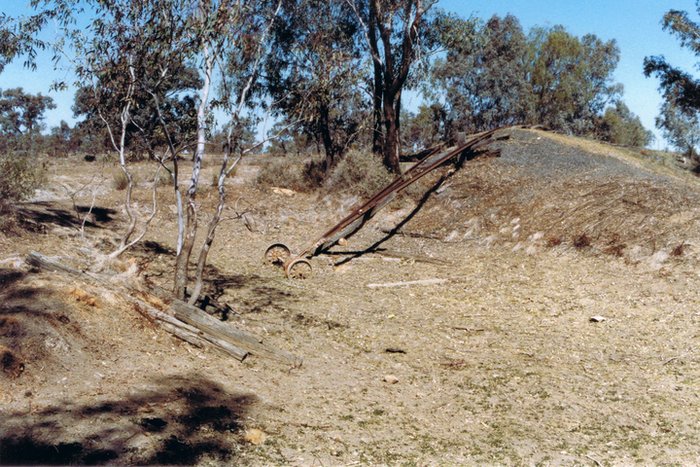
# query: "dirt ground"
{"type": "Point", "coordinates": [555, 321]}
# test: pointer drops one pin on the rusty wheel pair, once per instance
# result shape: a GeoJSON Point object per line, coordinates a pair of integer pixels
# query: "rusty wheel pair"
{"type": "Point", "coordinates": [280, 255]}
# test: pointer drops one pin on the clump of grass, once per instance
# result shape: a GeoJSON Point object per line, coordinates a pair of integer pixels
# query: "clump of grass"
{"type": "Point", "coordinates": [164, 178]}
{"type": "Point", "coordinates": [360, 173]}
{"type": "Point", "coordinates": [679, 250]}
{"type": "Point", "coordinates": [615, 246]}
{"type": "Point", "coordinates": [20, 175]}
{"type": "Point", "coordinates": [119, 180]}
{"type": "Point", "coordinates": [553, 241]}
{"type": "Point", "coordinates": [616, 249]}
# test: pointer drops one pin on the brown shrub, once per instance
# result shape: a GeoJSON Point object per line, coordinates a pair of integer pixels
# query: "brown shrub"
{"type": "Point", "coordinates": [679, 250]}
{"type": "Point", "coordinates": [615, 249]}
{"type": "Point", "coordinates": [360, 173]}
{"type": "Point", "coordinates": [582, 241]}
{"type": "Point", "coordinates": [553, 241]}
{"type": "Point", "coordinates": [119, 180]}
{"type": "Point", "coordinates": [283, 172]}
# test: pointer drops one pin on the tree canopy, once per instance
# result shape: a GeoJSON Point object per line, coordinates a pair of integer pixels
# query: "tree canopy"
{"type": "Point", "coordinates": [21, 116]}
{"type": "Point", "coordinates": [680, 112]}
{"type": "Point", "coordinates": [492, 74]}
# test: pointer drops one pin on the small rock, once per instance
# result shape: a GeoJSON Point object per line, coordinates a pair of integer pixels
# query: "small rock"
{"type": "Point", "coordinates": [391, 379]}
{"type": "Point", "coordinates": [598, 319]}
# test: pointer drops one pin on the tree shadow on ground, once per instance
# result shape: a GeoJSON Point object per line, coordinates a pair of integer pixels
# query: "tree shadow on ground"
{"type": "Point", "coordinates": [459, 162]}
{"type": "Point", "coordinates": [39, 215]}
{"type": "Point", "coordinates": [376, 246]}
{"type": "Point", "coordinates": [154, 248]}
{"type": "Point", "coordinates": [255, 293]}
{"type": "Point", "coordinates": [176, 421]}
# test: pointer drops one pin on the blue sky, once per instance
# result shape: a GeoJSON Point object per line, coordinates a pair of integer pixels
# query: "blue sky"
{"type": "Point", "coordinates": [635, 24]}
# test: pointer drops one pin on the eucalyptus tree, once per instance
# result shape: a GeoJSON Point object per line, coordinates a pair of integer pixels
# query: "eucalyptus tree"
{"type": "Point", "coordinates": [235, 36]}
{"type": "Point", "coordinates": [21, 116]}
{"type": "Point", "coordinates": [138, 63]}
{"type": "Point", "coordinates": [680, 112]}
{"type": "Point", "coordinates": [681, 127]}
{"type": "Point", "coordinates": [491, 74]}
{"type": "Point", "coordinates": [397, 35]}
{"type": "Point", "coordinates": [618, 125]}
{"type": "Point", "coordinates": [110, 60]}
{"type": "Point", "coordinates": [572, 79]}
{"type": "Point", "coordinates": [314, 73]}
{"type": "Point", "coordinates": [482, 77]}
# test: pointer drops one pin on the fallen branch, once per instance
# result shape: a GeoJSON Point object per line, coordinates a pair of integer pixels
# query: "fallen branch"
{"type": "Point", "coordinates": [409, 257]}
{"type": "Point", "coordinates": [408, 283]}
{"type": "Point", "coordinates": [184, 321]}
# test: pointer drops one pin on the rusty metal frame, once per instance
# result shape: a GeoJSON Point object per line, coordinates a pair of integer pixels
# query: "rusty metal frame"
{"type": "Point", "coordinates": [359, 215]}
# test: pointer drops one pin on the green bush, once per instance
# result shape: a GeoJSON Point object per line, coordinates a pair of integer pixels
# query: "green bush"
{"type": "Point", "coordinates": [20, 175]}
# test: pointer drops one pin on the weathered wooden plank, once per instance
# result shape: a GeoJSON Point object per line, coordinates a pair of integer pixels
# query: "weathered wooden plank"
{"type": "Point", "coordinates": [224, 331]}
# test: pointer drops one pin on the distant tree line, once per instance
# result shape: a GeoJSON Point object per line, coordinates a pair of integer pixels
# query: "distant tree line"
{"type": "Point", "coordinates": [492, 74]}
{"type": "Point", "coordinates": [334, 74]}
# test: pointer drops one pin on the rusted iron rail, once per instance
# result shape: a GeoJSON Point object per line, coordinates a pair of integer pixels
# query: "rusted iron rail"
{"type": "Point", "coordinates": [299, 266]}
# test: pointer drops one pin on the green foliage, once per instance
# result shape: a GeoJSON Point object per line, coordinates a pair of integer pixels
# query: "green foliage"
{"type": "Point", "coordinates": [571, 79]}
{"type": "Point", "coordinates": [483, 74]}
{"type": "Point", "coordinates": [174, 93]}
{"type": "Point", "coordinates": [424, 129]}
{"type": "Point", "coordinates": [314, 73]}
{"type": "Point", "coordinates": [493, 75]}
{"type": "Point", "coordinates": [21, 116]}
{"type": "Point", "coordinates": [680, 113]}
{"type": "Point", "coordinates": [19, 177]}
{"type": "Point", "coordinates": [681, 127]}
{"type": "Point", "coordinates": [620, 126]}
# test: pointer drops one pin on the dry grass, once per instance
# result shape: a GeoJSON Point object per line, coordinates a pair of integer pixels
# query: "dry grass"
{"type": "Point", "coordinates": [283, 172]}
{"type": "Point", "coordinates": [658, 162]}
{"type": "Point", "coordinates": [360, 173]}
{"type": "Point", "coordinates": [119, 180]}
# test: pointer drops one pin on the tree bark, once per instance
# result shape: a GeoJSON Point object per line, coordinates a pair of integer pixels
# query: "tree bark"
{"type": "Point", "coordinates": [377, 88]}
{"type": "Point", "coordinates": [183, 258]}
{"type": "Point", "coordinates": [392, 140]}
{"type": "Point", "coordinates": [328, 145]}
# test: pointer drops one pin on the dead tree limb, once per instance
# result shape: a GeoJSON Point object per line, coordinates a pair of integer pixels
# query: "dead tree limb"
{"type": "Point", "coordinates": [186, 322]}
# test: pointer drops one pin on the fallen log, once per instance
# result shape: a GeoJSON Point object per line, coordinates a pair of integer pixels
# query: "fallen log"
{"type": "Point", "coordinates": [222, 330]}
{"type": "Point", "coordinates": [184, 321]}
